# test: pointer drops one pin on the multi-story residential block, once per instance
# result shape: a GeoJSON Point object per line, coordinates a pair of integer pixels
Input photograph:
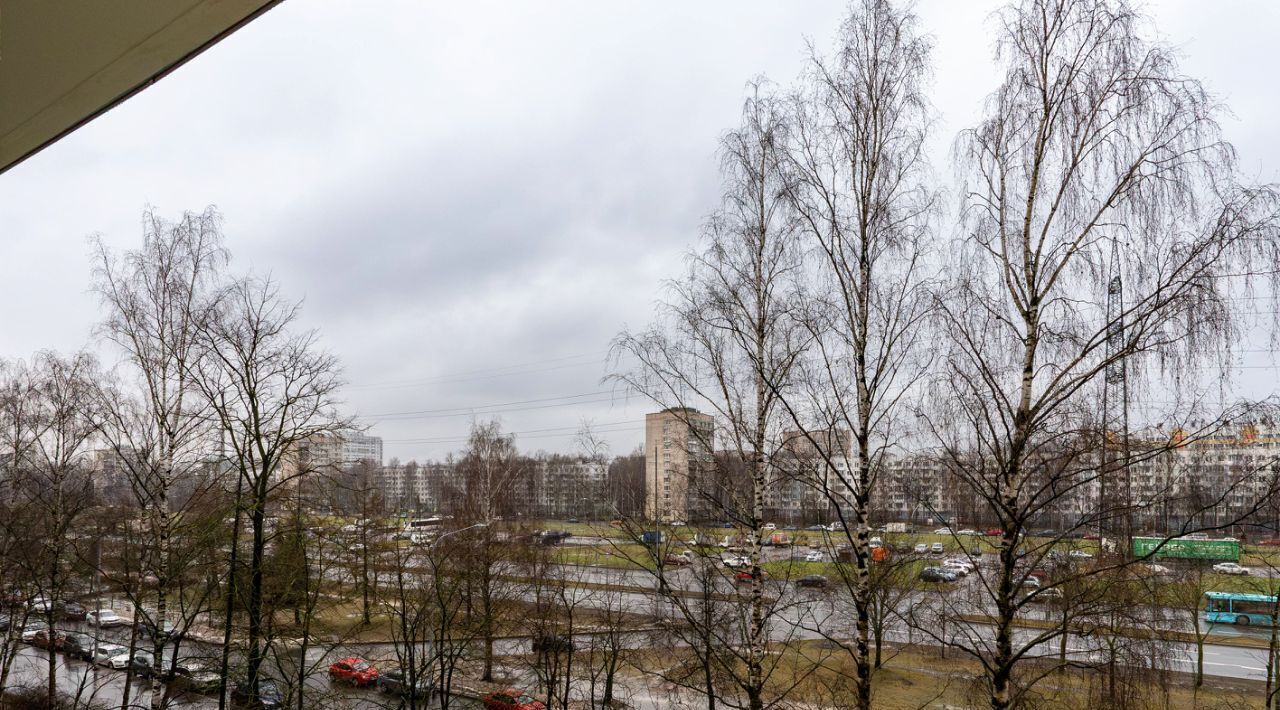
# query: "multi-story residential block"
{"type": "Point", "coordinates": [808, 478]}
{"type": "Point", "coordinates": [417, 487]}
{"type": "Point", "coordinates": [564, 487]}
{"type": "Point", "coordinates": [341, 449]}
{"type": "Point", "coordinates": [678, 443]}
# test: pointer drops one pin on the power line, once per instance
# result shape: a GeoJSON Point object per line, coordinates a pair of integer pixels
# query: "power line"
{"type": "Point", "coordinates": [487, 406]}
{"type": "Point", "coordinates": [587, 398]}
{"type": "Point", "coordinates": [524, 368]}
{"type": "Point", "coordinates": [606, 428]}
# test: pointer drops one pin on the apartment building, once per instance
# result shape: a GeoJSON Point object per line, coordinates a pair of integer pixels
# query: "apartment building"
{"type": "Point", "coordinates": [563, 487]}
{"type": "Point", "coordinates": [678, 445]}
{"type": "Point", "coordinates": [420, 487]}
{"type": "Point", "coordinates": [340, 449]}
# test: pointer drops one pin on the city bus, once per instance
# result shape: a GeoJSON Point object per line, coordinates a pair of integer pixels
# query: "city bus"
{"type": "Point", "coordinates": [423, 530]}
{"type": "Point", "coordinates": [1239, 609]}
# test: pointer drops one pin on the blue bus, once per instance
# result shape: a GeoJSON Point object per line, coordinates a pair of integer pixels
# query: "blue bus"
{"type": "Point", "coordinates": [1239, 609]}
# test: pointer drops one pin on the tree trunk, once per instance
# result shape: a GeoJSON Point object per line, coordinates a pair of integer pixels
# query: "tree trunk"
{"type": "Point", "coordinates": [229, 612]}
{"type": "Point", "coordinates": [158, 686]}
{"type": "Point", "coordinates": [257, 519]}
{"type": "Point", "coordinates": [486, 610]}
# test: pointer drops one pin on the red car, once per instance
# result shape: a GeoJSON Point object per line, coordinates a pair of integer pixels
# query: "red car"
{"type": "Point", "coordinates": [1270, 542]}
{"type": "Point", "coordinates": [745, 575]}
{"type": "Point", "coordinates": [355, 671]}
{"type": "Point", "coordinates": [995, 532]}
{"type": "Point", "coordinates": [512, 699]}
{"type": "Point", "coordinates": [41, 639]}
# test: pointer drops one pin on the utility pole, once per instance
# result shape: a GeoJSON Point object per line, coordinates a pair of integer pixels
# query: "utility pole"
{"type": "Point", "coordinates": [1115, 486]}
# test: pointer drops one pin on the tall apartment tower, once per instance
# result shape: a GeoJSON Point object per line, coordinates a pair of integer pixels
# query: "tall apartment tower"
{"type": "Point", "coordinates": [677, 446]}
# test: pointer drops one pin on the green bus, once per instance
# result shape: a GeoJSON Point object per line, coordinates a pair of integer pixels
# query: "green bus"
{"type": "Point", "coordinates": [1239, 609]}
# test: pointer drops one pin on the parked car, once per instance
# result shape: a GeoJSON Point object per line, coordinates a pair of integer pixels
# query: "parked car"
{"type": "Point", "coordinates": [1052, 595]}
{"type": "Point", "coordinates": [396, 682]}
{"type": "Point", "coordinates": [104, 652]}
{"type": "Point", "coordinates": [40, 605]}
{"type": "Point", "coordinates": [678, 560]}
{"type": "Point", "coordinates": [921, 548]}
{"type": "Point", "coordinates": [960, 570]}
{"type": "Point", "coordinates": [43, 639]}
{"type": "Point", "coordinates": [938, 574]}
{"type": "Point", "coordinates": [269, 695]}
{"type": "Point", "coordinates": [968, 531]}
{"type": "Point", "coordinates": [512, 699]}
{"type": "Point", "coordinates": [1270, 542]}
{"type": "Point", "coordinates": [1151, 570]}
{"type": "Point", "coordinates": [994, 532]}
{"type": "Point", "coordinates": [942, 531]}
{"type": "Point", "coordinates": [745, 576]}
{"type": "Point", "coordinates": [552, 643]}
{"type": "Point", "coordinates": [104, 618]}
{"type": "Point", "coordinates": [1080, 555]}
{"type": "Point", "coordinates": [813, 581]}
{"type": "Point", "coordinates": [31, 629]}
{"type": "Point", "coordinates": [202, 682]}
{"type": "Point", "coordinates": [959, 562]}
{"type": "Point", "coordinates": [1230, 568]}
{"type": "Point", "coordinates": [736, 561]}
{"type": "Point", "coordinates": [817, 528]}
{"type": "Point", "coordinates": [554, 537]}
{"type": "Point", "coordinates": [4, 622]}
{"type": "Point", "coordinates": [355, 671]}
{"type": "Point", "coordinates": [72, 611]}
{"type": "Point", "coordinates": [14, 596]}
{"type": "Point", "coordinates": [78, 645]}
{"type": "Point", "coordinates": [142, 663]}
{"type": "Point", "coordinates": [937, 548]}
{"type": "Point", "coordinates": [814, 556]}
{"type": "Point", "coordinates": [769, 526]}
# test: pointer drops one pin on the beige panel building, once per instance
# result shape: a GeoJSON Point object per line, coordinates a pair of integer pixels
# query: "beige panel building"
{"type": "Point", "coordinates": [677, 446]}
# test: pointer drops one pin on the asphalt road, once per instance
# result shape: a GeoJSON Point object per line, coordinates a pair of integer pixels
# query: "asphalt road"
{"type": "Point", "coordinates": [798, 614]}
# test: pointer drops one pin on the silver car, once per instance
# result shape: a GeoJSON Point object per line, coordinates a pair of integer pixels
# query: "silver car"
{"type": "Point", "coordinates": [1230, 568]}
{"type": "Point", "coordinates": [105, 652]}
{"type": "Point", "coordinates": [104, 618]}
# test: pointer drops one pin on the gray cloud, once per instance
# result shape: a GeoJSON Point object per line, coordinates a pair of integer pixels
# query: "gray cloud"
{"type": "Point", "coordinates": [461, 188]}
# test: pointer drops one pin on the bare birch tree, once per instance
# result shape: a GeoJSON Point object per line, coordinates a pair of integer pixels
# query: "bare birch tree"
{"type": "Point", "coordinates": [19, 427]}
{"type": "Point", "coordinates": [490, 469]}
{"type": "Point", "coordinates": [53, 482]}
{"type": "Point", "coordinates": [157, 425]}
{"type": "Point", "coordinates": [731, 343]}
{"type": "Point", "coordinates": [859, 190]}
{"type": "Point", "coordinates": [1097, 164]}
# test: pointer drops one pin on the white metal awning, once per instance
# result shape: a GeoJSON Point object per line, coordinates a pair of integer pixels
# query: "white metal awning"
{"type": "Point", "coordinates": [65, 62]}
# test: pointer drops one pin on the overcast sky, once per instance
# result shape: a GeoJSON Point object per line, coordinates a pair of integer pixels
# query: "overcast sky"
{"type": "Point", "coordinates": [474, 198]}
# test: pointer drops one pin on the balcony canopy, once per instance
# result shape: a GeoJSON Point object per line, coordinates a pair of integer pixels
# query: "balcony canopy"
{"type": "Point", "coordinates": [65, 62]}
